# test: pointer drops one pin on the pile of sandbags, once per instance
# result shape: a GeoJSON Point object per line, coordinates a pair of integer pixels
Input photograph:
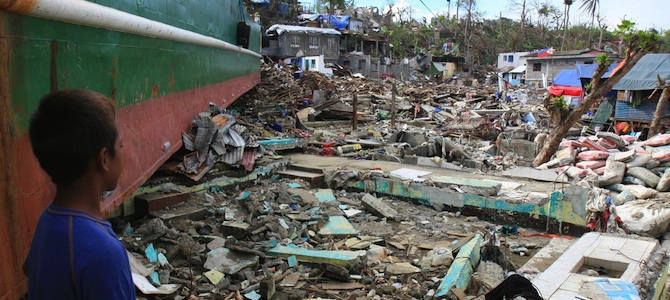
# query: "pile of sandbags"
{"type": "Point", "coordinates": [622, 164]}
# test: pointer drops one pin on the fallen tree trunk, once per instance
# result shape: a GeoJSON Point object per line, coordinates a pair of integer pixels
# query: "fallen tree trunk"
{"type": "Point", "coordinates": [656, 123]}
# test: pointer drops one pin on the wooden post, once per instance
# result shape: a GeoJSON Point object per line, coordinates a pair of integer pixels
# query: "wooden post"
{"type": "Point", "coordinates": [393, 91]}
{"type": "Point", "coordinates": [355, 116]}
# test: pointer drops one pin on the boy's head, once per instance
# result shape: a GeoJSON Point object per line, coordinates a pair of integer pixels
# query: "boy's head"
{"type": "Point", "coordinates": [73, 130]}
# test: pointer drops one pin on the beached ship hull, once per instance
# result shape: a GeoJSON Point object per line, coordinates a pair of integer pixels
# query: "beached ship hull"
{"type": "Point", "coordinates": [161, 61]}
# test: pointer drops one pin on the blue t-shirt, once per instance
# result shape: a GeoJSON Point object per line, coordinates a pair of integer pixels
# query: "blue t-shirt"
{"type": "Point", "coordinates": [77, 256]}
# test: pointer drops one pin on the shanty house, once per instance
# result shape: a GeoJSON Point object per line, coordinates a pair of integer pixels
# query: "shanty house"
{"type": "Point", "coordinates": [288, 40]}
{"type": "Point", "coordinates": [638, 90]}
{"type": "Point", "coordinates": [552, 64]}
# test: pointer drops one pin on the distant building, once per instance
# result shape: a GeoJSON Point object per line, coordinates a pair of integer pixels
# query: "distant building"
{"type": "Point", "coordinates": [511, 60]}
{"type": "Point", "coordinates": [290, 41]}
{"type": "Point", "coordinates": [552, 64]}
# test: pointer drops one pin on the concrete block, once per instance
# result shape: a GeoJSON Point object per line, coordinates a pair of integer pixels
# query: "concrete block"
{"type": "Point", "coordinates": [236, 229]}
{"type": "Point", "coordinates": [473, 164]}
{"type": "Point", "coordinates": [378, 207]}
{"type": "Point", "coordinates": [410, 160]}
{"type": "Point", "coordinates": [156, 201]}
{"type": "Point", "coordinates": [524, 148]}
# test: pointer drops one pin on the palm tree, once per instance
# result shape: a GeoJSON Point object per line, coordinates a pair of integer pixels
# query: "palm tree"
{"type": "Point", "coordinates": [567, 20]}
{"type": "Point", "coordinates": [591, 7]}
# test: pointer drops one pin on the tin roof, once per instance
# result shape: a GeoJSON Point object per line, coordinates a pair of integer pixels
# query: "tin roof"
{"type": "Point", "coordinates": [643, 74]}
{"type": "Point", "coordinates": [280, 29]}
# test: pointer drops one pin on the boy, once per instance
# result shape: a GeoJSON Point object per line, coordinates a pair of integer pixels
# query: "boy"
{"type": "Point", "coordinates": [75, 253]}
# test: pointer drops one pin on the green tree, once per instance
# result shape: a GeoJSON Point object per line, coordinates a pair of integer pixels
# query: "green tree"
{"type": "Point", "coordinates": [567, 4]}
{"type": "Point", "coordinates": [591, 7]}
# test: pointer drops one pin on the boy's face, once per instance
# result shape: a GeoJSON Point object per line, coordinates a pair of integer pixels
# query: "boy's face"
{"type": "Point", "coordinates": [116, 164]}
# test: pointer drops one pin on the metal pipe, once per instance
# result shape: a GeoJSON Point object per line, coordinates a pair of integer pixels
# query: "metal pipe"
{"type": "Point", "coordinates": [95, 15]}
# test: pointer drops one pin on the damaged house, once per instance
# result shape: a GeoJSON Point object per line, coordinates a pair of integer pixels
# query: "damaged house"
{"type": "Point", "coordinates": [639, 90]}
{"type": "Point", "coordinates": [543, 67]}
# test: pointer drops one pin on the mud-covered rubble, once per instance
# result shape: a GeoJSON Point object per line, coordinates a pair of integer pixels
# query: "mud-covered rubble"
{"type": "Point", "coordinates": [627, 177]}
{"type": "Point", "coordinates": [305, 243]}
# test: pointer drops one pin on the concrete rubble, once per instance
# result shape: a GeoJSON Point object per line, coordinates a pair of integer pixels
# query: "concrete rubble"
{"type": "Point", "coordinates": [425, 198]}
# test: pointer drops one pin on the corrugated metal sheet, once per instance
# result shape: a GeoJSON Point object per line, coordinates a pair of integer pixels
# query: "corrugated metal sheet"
{"type": "Point", "coordinates": [233, 156]}
{"type": "Point", "coordinates": [644, 112]}
{"type": "Point", "coordinates": [233, 138]}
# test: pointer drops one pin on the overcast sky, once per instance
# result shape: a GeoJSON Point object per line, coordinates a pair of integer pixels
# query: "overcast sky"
{"type": "Point", "coordinates": [645, 13]}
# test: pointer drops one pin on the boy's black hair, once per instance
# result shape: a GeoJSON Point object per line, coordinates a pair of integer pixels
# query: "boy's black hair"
{"type": "Point", "coordinates": [69, 128]}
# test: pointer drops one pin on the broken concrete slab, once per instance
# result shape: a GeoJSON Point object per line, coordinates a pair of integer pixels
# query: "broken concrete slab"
{"type": "Point", "coordinates": [345, 259]}
{"type": "Point", "coordinates": [325, 195]}
{"type": "Point", "coordinates": [338, 225]}
{"type": "Point", "coordinates": [305, 195]}
{"type": "Point", "coordinates": [378, 207]}
{"type": "Point", "coordinates": [229, 262]}
{"type": "Point", "coordinates": [402, 268]}
{"type": "Point", "coordinates": [467, 185]}
{"type": "Point", "coordinates": [532, 173]}
{"type": "Point", "coordinates": [409, 174]}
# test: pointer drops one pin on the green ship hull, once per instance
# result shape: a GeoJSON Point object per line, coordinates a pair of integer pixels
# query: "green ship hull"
{"type": "Point", "coordinates": [161, 61]}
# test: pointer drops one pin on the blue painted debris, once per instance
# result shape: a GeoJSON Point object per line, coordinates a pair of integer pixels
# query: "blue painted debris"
{"type": "Point", "coordinates": [339, 258]}
{"type": "Point", "coordinates": [243, 195]}
{"type": "Point", "coordinates": [151, 253]}
{"type": "Point", "coordinates": [622, 290]}
{"type": "Point", "coordinates": [338, 225]}
{"type": "Point", "coordinates": [154, 278]}
{"type": "Point", "coordinates": [294, 185]}
{"type": "Point", "coordinates": [292, 261]}
{"type": "Point", "coordinates": [283, 223]}
{"type": "Point", "coordinates": [460, 271]}
{"type": "Point", "coordinates": [162, 260]}
{"type": "Point", "coordinates": [279, 144]}
{"type": "Point", "coordinates": [252, 295]}
{"type": "Point", "coordinates": [325, 195]}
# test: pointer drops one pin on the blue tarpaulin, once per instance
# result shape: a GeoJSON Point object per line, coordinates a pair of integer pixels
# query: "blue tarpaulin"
{"type": "Point", "coordinates": [586, 71]}
{"type": "Point", "coordinates": [340, 22]}
{"type": "Point", "coordinates": [567, 78]}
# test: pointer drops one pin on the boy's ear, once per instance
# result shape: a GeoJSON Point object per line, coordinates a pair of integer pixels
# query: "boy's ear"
{"type": "Point", "coordinates": [102, 159]}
